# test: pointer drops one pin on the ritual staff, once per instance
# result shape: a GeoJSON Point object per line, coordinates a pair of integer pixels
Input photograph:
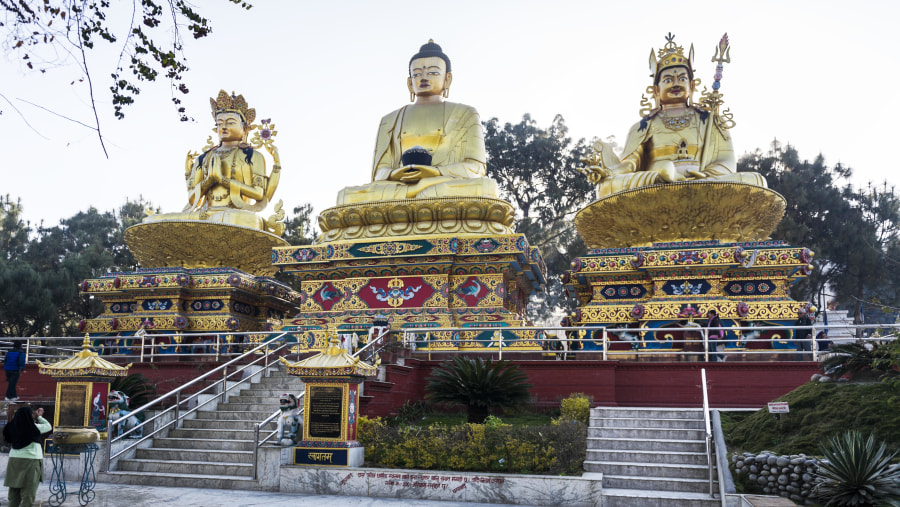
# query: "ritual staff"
{"type": "Point", "coordinates": [430, 148]}
{"type": "Point", "coordinates": [676, 140]}
{"type": "Point", "coordinates": [25, 468]}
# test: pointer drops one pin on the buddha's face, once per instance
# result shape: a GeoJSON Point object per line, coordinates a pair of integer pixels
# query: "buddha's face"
{"type": "Point", "coordinates": [230, 127]}
{"type": "Point", "coordinates": [675, 86]}
{"type": "Point", "coordinates": [428, 76]}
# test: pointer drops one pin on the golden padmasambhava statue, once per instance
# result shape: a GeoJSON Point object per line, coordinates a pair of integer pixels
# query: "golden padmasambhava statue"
{"type": "Point", "coordinates": [228, 183]}
{"type": "Point", "coordinates": [430, 148]}
{"type": "Point", "coordinates": [676, 140]}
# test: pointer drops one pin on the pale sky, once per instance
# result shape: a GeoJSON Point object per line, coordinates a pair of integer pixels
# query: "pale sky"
{"type": "Point", "coordinates": [817, 74]}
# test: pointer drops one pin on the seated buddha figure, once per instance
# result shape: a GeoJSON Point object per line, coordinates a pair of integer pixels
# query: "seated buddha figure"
{"type": "Point", "coordinates": [227, 183]}
{"type": "Point", "coordinates": [676, 140]}
{"type": "Point", "coordinates": [430, 148]}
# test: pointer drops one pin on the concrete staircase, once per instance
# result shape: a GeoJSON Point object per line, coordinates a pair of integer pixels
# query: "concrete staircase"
{"type": "Point", "coordinates": [216, 447]}
{"type": "Point", "coordinates": [650, 456]}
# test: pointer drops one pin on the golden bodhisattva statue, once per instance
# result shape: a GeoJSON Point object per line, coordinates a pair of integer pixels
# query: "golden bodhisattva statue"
{"type": "Point", "coordinates": [676, 140]}
{"type": "Point", "coordinates": [228, 183]}
{"type": "Point", "coordinates": [430, 148]}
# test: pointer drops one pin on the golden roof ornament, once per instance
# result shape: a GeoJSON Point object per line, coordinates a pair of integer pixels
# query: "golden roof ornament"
{"type": "Point", "coordinates": [85, 363]}
{"type": "Point", "coordinates": [334, 361]}
{"type": "Point", "coordinates": [226, 103]}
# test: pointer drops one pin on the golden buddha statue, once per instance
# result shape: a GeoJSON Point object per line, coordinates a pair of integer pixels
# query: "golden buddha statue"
{"type": "Point", "coordinates": [228, 183]}
{"type": "Point", "coordinates": [675, 140]}
{"type": "Point", "coordinates": [430, 148]}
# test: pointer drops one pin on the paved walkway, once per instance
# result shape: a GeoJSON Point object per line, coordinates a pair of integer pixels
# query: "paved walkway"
{"type": "Point", "coordinates": [118, 495]}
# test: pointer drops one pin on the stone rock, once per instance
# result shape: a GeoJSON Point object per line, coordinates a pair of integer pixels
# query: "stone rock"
{"type": "Point", "coordinates": [797, 461]}
{"type": "Point", "coordinates": [772, 460]}
{"type": "Point", "coordinates": [794, 477]}
{"type": "Point", "coordinates": [815, 377]}
{"type": "Point", "coordinates": [738, 464]}
{"type": "Point", "coordinates": [806, 477]}
{"type": "Point", "coordinates": [765, 472]}
{"type": "Point", "coordinates": [782, 479]}
{"type": "Point", "coordinates": [754, 469]}
{"type": "Point", "coordinates": [796, 498]}
{"type": "Point", "coordinates": [762, 480]}
{"type": "Point", "coordinates": [752, 477]}
{"type": "Point", "coordinates": [782, 461]}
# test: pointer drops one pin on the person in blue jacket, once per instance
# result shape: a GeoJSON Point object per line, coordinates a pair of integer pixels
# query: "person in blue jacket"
{"type": "Point", "coordinates": [13, 365]}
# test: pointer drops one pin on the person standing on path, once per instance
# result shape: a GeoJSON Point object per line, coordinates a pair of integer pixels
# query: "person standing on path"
{"type": "Point", "coordinates": [25, 468]}
{"type": "Point", "coordinates": [13, 365]}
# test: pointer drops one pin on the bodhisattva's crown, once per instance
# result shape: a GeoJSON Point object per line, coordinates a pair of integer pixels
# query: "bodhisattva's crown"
{"type": "Point", "coordinates": [226, 103]}
{"type": "Point", "coordinates": [670, 55]}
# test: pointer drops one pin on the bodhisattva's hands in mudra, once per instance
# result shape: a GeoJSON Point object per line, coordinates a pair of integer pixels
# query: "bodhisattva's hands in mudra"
{"type": "Point", "coordinates": [413, 173]}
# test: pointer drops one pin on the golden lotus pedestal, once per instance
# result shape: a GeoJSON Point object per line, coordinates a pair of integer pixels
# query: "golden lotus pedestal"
{"type": "Point", "coordinates": [663, 256]}
{"type": "Point", "coordinates": [202, 244]}
{"type": "Point", "coordinates": [419, 263]}
{"type": "Point", "coordinates": [686, 211]}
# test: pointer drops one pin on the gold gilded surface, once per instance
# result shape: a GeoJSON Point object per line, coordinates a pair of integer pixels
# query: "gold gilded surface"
{"type": "Point", "coordinates": [656, 311]}
{"type": "Point", "coordinates": [676, 139]}
{"type": "Point", "coordinates": [201, 244]}
{"type": "Point", "coordinates": [228, 182]}
{"type": "Point", "coordinates": [684, 211]}
{"type": "Point", "coordinates": [85, 362]}
{"type": "Point", "coordinates": [410, 217]}
{"type": "Point", "coordinates": [448, 137]}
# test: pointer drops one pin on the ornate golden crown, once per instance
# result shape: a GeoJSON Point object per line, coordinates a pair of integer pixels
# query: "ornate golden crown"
{"type": "Point", "coordinates": [226, 103]}
{"type": "Point", "coordinates": [670, 55]}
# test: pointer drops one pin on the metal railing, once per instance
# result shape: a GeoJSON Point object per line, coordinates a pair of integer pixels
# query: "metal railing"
{"type": "Point", "coordinates": [464, 337]}
{"type": "Point", "coordinates": [260, 354]}
{"type": "Point", "coordinates": [708, 426]}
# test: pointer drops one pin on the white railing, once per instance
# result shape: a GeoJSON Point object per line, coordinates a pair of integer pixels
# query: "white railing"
{"type": "Point", "coordinates": [708, 426]}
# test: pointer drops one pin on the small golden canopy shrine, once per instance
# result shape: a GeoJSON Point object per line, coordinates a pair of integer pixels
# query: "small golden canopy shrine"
{"type": "Point", "coordinates": [85, 363]}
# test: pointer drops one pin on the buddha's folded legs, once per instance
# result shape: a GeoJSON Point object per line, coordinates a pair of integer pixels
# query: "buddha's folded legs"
{"type": "Point", "coordinates": [469, 187]}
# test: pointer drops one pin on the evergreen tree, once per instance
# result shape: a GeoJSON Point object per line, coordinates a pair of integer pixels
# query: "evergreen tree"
{"type": "Point", "coordinates": [535, 169]}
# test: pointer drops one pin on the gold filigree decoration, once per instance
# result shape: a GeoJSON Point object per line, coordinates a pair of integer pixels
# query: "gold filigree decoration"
{"type": "Point", "coordinates": [411, 217]}
{"type": "Point", "coordinates": [201, 244]}
{"type": "Point", "coordinates": [684, 211]}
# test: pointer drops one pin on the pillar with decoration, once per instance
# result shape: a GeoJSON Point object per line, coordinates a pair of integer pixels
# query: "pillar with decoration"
{"type": "Point", "coordinates": [82, 388]}
{"type": "Point", "coordinates": [332, 382]}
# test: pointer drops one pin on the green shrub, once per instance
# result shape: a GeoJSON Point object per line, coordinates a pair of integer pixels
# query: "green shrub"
{"type": "Point", "coordinates": [857, 471]}
{"type": "Point", "coordinates": [577, 407]}
{"type": "Point", "coordinates": [494, 447]}
{"type": "Point", "coordinates": [479, 385]}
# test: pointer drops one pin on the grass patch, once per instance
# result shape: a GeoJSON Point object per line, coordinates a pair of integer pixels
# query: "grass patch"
{"type": "Point", "coordinates": [818, 411]}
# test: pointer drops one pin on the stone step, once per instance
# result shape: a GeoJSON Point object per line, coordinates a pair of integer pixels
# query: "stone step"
{"type": "Point", "coordinates": [672, 423]}
{"type": "Point", "coordinates": [220, 424]}
{"type": "Point", "coordinates": [642, 433]}
{"type": "Point", "coordinates": [642, 498]}
{"type": "Point", "coordinates": [262, 392]}
{"type": "Point", "coordinates": [219, 435]}
{"type": "Point", "coordinates": [646, 444]}
{"type": "Point", "coordinates": [186, 467]}
{"type": "Point", "coordinates": [613, 481]}
{"type": "Point", "coordinates": [271, 400]}
{"type": "Point", "coordinates": [192, 443]}
{"type": "Point", "coordinates": [625, 456]}
{"type": "Point", "coordinates": [258, 408]}
{"type": "Point", "coordinates": [235, 415]}
{"type": "Point", "coordinates": [200, 455]}
{"type": "Point", "coordinates": [174, 480]}
{"type": "Point", "coordinates": [637, 412]}
{"type": "Point", "coordinates": [659, 470]}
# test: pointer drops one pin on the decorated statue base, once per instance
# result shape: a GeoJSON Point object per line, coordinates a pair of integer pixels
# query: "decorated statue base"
{"type": "Point", "coordinates": [176, 300]}
{"type": "Point", "coordinates": [672, 285]}
{"type": "Point", "coordinates": [700, 210]}
{"type": "Point", "coordinates": [331, 399]}
{"type": "Point", "coordinates": [422, 281]}
{"type": "Point", "coordinates": [202, 244]}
